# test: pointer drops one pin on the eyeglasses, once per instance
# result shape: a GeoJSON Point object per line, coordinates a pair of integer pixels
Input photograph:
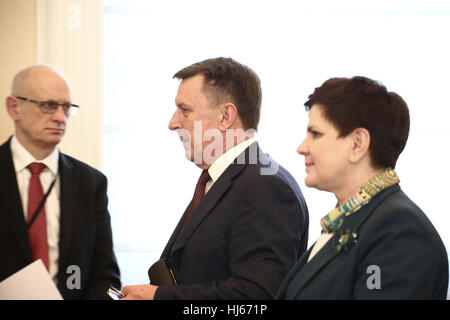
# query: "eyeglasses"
{"type": "Point", "coordinates": [51, 106]}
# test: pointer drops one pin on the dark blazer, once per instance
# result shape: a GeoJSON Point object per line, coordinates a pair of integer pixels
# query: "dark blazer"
{"type": "Point", "coordinates": [242, 239]}
{"type": "Point", "coordinates": [85, 229]}
{"type": "Point", "coordinates": [399, 255]}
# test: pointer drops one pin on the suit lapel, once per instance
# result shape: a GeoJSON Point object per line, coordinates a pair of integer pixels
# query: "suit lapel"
{"type": "Point", "coordinates": [307, 270]}
{"type": "Point", "coordinates": [213, 196]}
{"type": "Point", "coordinates": [68, 204]}
{"type": "Point", "coordinates": [181, 234]}
{"type": "Point", "coordinates": [10, 200]}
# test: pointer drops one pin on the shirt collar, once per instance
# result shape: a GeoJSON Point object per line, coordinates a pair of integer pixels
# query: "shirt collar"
{"type": "Point", "coordinates": [222, 163]}
{"type": "Point", "coordinates": [22, 158]}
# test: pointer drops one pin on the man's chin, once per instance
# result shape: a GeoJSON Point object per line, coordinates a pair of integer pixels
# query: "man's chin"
{"type": "Point", "coordinates": [197, 159]}
{"type": "Point", "coordinates": [53, 141]}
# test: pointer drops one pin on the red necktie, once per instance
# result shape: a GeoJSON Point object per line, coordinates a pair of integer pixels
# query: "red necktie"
{"type": "Point", "coordinates": [38, 230]}
{"type": "Point", "coordinates": [198, 194]}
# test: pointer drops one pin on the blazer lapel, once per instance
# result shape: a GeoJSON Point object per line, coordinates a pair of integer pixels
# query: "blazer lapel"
{"type": "Point", "coordinates": [10, 200]}
{"type": "Point", "coordinates": [68, 204]}
{"type": "Point", "coordinates": [307, 270]}
{"type": "Point", "coordinates": [181, 234]}
{"type": "Point", "coordinates": [206, 205]}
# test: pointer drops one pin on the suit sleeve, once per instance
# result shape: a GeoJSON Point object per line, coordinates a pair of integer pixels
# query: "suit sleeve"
{"type": "Point", "coordinates": [402, 259]}
{"type": "Point", "coordinates": [263, 244]}
{"type": "Point", "coordinates": [104, 269]}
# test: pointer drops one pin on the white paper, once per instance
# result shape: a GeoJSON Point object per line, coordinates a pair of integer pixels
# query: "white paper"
{"type": "Point", "coordinates": [31, 283]}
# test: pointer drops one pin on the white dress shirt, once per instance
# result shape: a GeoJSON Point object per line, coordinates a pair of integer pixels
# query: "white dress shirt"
{"type": "Point", "coordinates": [222, 163]}
{"type": "Point", "coordinates": [323, 239]}
{"type": "Point", "coordinates": [21, 159]}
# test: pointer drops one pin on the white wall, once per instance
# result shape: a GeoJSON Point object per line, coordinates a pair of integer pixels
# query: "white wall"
{"type": "Point", "coordinates": [69, 34]}
{"type": "Point", "coordinates": [17, 50]}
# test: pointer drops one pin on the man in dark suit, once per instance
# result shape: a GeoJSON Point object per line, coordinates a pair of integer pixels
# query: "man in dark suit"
{"type": "Point", "coordinates": [71, 233]}
{"type": "Point", "coordinates": [249, 223]}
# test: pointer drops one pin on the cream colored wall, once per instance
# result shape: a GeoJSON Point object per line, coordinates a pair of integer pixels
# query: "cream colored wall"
{"type": "Point", "coordinates": [17, 50]}
{"type": "Point", "coordinates": [66, 34]}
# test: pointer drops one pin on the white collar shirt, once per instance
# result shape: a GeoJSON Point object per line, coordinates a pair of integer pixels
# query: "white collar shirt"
{"type": "Point", "coordinates": [224, 161]}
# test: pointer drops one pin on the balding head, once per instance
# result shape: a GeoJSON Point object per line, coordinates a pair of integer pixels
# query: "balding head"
{"type": "Point", "coordinates": [37, 131]}
{"type": "Point", "coordinates": [36, 79]}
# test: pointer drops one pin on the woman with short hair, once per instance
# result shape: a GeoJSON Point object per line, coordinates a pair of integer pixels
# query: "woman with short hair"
{"type": "Point", "coordinates": [376, 243]}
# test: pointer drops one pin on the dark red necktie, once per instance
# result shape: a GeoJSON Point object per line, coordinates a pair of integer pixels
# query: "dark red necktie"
{"type": "Point", "coordinates": [198, 194]}
{"type": "Point", "coordinates": [38, 230]}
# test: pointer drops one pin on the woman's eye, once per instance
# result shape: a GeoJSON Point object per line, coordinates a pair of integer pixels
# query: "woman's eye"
{"type": "Point", "coordinates": [315, 134]}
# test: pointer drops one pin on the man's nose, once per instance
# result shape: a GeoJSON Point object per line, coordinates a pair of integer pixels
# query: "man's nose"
{"type": "Point", "coordinates": [174, 123]}
{"type": "Point", "coordinates": [60, 115]}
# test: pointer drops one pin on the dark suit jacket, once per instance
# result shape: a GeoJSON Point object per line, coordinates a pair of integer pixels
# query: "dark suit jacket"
{"type": "Point", "coordinates": [242, 239]}
{"type": "Point", "coordinates": [85, 229]}
{"type": "Point", "coordinates": [395, 236]}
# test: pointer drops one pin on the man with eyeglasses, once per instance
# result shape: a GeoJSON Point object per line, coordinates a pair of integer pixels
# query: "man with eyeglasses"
{"type": "Point", "coordinates": [52, 206]}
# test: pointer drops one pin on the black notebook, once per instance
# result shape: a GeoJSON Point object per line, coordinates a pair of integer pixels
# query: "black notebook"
{"type": "Point", "coordinates": [161, 274]}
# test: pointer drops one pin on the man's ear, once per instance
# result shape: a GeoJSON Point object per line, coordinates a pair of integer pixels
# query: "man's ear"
{"type": "Point", "coordinates": [11, 107]}
{"type": "Point", "coordinates": [228, 114]}
{"type": "Point", "coordinates": [360, 144]}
